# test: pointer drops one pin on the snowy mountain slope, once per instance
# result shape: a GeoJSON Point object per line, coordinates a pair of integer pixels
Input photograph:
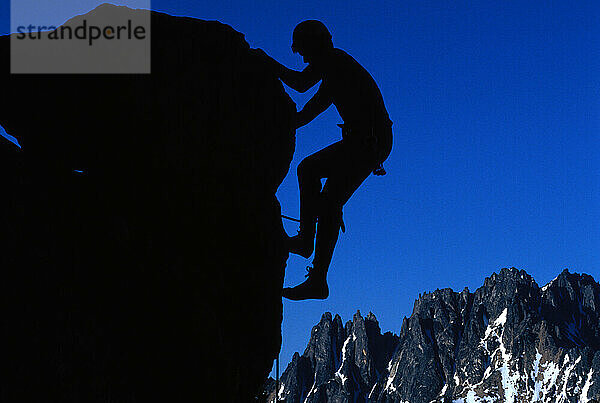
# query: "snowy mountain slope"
{"type": "Point", "coordinates": [509, 341]}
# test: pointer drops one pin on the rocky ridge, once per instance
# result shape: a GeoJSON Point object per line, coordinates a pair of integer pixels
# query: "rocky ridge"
{"type": "Point", "coordinates": [509, 341]}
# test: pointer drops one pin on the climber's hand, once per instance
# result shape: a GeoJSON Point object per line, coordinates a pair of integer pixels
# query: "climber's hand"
{"type": "Point", "coordinates": [269, 63]}
{"type": "Point", "coordinates": [259, 52]}
{"type": "Point", "coordinates": [262, 55]}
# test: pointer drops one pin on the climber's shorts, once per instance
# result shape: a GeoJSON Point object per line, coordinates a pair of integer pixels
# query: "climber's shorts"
{"type": "Point", "coordinates": [374, 139]}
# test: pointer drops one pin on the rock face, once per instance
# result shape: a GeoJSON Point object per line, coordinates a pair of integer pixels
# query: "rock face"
{"type": "Point", "coordinates": [509, 341]}
{"type": "Point", "coordinates": [130, 281]}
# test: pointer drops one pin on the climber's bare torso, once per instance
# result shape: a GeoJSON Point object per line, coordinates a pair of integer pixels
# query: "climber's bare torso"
{"type": "Point", "coordinates": [344, 83]}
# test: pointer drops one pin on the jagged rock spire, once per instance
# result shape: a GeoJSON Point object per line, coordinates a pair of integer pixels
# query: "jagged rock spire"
{"type": "Point", "coordinates": [509, 341]}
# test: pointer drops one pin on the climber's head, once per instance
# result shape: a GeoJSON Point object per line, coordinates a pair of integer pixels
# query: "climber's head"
{"type": "Point", "coordinates": [311, 39]}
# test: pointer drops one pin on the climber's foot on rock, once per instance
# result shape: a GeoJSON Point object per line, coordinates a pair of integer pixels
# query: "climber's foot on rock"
{"type": "Point", "coordinates": [314, 287]}
{"type": "Point", "coordinates": [301, 245]}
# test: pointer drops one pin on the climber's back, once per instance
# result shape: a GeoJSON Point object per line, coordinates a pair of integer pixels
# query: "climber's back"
{"type": "Point", "coordinates": [344, 82]}
{"type": "Point", "coordinates": [352, 89]}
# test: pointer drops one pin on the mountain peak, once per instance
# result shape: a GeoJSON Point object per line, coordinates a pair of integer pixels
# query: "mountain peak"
{"type": "Point", "coordinates": [509, 275]}
{"type": "Point", "coordinates": [371, 317]}
{"type": "Point", "coordinates": [509, 339]}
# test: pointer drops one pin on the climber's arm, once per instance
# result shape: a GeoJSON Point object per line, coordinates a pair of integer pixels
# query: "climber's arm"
{"type": "Point", "coordinates": [300, 81]}
{"type": "Point", "coordinates": [315, 106]}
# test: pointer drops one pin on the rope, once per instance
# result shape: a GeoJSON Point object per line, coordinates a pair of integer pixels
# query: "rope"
{"type": "Point", "coordinates": [290, 218]}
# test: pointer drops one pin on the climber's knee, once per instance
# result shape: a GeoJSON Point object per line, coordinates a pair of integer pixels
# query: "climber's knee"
{"type": "Point", "coordinates": [306, 166]}
{"type": "Point", "coordinates": [303, 168]}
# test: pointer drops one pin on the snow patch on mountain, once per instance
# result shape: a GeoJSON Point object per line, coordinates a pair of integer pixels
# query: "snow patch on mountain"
{"type": "Point", "coordinates": [508, 342]}
{"type": "Point", "coordinates": [339, 373]}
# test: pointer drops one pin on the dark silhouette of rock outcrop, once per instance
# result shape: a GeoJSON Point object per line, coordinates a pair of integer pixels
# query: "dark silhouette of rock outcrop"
{"type": "Point", "coordinates": [509, 341]}
{"type": "Point", "coordinates": [156, 273]}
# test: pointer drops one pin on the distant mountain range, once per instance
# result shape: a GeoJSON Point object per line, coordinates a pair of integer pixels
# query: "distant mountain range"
{"type": "Point", "coordinates": [509, 341]}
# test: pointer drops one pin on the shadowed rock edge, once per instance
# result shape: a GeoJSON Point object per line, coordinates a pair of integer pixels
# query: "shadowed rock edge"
{"type": "Point", "coordinates": [164, 258]}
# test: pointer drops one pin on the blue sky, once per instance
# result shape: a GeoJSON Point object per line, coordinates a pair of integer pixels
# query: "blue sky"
{"type": "Point", "coordinates": [496, 160]}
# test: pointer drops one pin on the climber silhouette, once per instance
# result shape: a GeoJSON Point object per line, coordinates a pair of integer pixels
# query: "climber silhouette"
{"type": "Point", "coordinates": [366, 143]}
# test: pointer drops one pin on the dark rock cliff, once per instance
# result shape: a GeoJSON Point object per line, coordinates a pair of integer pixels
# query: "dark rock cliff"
{"type": "Point", "coordinates": [156, 273]}
{"type": "Point", "coordinates": [509, 341]}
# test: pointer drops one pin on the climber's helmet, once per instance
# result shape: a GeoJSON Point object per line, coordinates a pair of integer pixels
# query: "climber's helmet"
{"type": "Point", "coordinates": [310, 38]}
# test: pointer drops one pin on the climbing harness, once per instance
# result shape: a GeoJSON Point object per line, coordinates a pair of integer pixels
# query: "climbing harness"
{"type": "Point", "coordinates": [370, 141]}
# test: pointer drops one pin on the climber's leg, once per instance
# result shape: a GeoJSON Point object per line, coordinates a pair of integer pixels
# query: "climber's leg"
{"type": "Point", "coordinates": [310, 171]}
{"type": "Point", "coordinates": [338, 189]}
{"type": "Point", "coordinates": [335, 194]}
{"type": "Point", "coordinates": [330, 220]}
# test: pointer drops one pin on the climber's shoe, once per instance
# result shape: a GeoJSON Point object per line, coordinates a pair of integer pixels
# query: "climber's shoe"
{"type": "Point", "coordinates": [314, 287]}
{"type": "Point", "coordinates": [301, 245]}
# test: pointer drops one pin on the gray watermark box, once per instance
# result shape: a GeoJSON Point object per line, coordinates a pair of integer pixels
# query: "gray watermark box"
{"type": "Point", "coordinates": [80, 37]}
